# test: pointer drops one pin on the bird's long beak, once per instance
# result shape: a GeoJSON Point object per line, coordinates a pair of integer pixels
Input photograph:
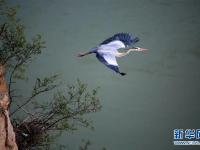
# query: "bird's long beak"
{"type": "Point", "coordinates": [141, 49]}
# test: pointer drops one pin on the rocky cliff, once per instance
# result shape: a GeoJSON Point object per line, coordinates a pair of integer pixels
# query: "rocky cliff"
{"type": "Point", "coordinates": [7, 135]}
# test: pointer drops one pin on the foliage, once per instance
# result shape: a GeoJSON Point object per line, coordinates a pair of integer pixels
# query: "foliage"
{"type": "Point", "coordinates": [86, 144]}
{"type": "Point", "coordinates": [68, 108]}
{"type": "Point", "coordinates": [16, 51]}
{"type": "Point", "coordinates": [66, 112]}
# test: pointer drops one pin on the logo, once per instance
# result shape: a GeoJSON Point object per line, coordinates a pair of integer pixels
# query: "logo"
{"type": "Point", "coordinates": [186, 137]}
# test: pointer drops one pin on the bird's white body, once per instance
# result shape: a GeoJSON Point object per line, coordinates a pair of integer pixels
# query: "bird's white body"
{"type": "Point", "coordinates": [109, 51]}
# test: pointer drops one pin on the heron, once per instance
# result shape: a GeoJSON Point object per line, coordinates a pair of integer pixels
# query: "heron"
{"type": "Point", "coordinates": [107, 51]}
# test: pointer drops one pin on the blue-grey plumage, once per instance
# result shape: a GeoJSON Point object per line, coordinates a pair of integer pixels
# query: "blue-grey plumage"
{"type": "Point", "coordinates": [107, 51]}
{"type": "Point", "coordinates": [127, 38]}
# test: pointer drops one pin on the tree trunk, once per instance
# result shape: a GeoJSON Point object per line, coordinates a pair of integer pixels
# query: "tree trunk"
{"type": "Point", "coordinates": [7, 135]}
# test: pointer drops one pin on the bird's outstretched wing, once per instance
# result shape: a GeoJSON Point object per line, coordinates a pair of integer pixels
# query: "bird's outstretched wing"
{"type": "Point", "coordinates": [112, 46]}
{"type": "Point", "coordinates": [127, 38]}
{"type": "Point", "coordinates": [109, 60]}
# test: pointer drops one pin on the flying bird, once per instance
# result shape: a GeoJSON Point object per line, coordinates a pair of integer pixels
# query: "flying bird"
{"type": "Point", "coordinates": [107, 51]}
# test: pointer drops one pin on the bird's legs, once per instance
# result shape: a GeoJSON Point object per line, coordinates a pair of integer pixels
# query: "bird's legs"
{"type": "Point", "coordinates": [84, 54]}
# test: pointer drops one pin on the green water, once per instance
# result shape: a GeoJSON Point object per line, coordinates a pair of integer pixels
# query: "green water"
{"type": "Point", "coordinates": [161, 89]}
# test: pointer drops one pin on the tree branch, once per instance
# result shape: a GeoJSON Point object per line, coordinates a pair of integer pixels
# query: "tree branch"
{"type": "Point", "coordinates": [11, 77]}
{"type": "Point", "coordinates": [2, 28]}
{"type": "Point", "coordinates": [34, 95]}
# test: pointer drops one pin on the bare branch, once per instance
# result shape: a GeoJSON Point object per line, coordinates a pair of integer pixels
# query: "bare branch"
{"type": "Point", "coordinates": [28, 100]}
{"type": "Point", "coordinates": [2, 28]}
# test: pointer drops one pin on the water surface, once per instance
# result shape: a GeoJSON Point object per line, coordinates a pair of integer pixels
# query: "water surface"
{"type": "Point", "coordinates": [161, 89]}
